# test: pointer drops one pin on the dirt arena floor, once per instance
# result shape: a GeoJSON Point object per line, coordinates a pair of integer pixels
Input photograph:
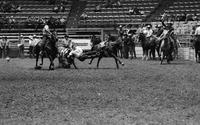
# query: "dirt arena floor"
{"type": "Point", "coordinates": [140, 93]}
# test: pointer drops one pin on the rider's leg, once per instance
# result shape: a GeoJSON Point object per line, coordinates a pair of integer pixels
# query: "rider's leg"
{"type": "Point", "coordinates": [43, 44]}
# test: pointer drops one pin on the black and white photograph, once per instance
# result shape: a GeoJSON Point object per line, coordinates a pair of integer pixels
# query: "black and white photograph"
{"type": "Point", "coordinates": [99, 62]}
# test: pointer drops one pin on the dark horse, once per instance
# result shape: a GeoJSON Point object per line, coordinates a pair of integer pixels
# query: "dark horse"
{"type": "Point", "coordinates": [50, 50]}
{"type": "Point", "coordinates": [148, 45]}
{"type": "Point", "coordinates": [196, 45]}
{"type": "Point", "coordinates": [166, 48]}
{"type": "Point", "coordinates": [106, 51]}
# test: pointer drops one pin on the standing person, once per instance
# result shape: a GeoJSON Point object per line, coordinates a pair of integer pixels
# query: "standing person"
{"type": "Point", "coordinates": [125, 46]}
{"type": "Point", "coordinates": [21, 46]}
{"type": "Point", "coordinates": [131, 45]}
{"type": "Point", "coordinates": [148, 32]}
{"type": "Point", "coordinates": [67, 42]}
{"type": "Point", "coordinates": [6, 49]}
{"type": "Point", "coordinates": [1, 48]}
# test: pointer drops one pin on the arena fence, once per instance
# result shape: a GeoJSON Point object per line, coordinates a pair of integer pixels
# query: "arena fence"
{"type": "Point", "coordinates": [83, 34]}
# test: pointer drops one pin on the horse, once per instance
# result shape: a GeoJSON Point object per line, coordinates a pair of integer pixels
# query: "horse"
{"type": "Point", "coordinates": [196, 45]}
{"type": "Point", "coordinates": [149, 45]}
{"type": "Point", "coordinates": [106, 51]}
{"type": "Point", "coordinates": [166, 49]}
{"type": "Point", "coordinates": [50, 50]}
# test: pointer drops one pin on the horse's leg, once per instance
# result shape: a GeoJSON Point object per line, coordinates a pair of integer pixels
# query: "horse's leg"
{"type": "Point", "coordinates": [42, 59]}
{"type": "Point", "coordinates": [100, 57]}
{"type": "Point", "coordinates": [196, 55]}
{"type": "Point", "coordinates": [153, 53]}
{"type": "Point", "coordinates": [91, 61]}
{"type": "Point", "coordinates": [158, 52]}
{"type": "Point", "coordinates": [37, 57]}
{"type": "Point", "coordinates": [168, 57]}
{"type": "Point", "coordinates": [161, 57]}
{"type": "Point", "coordinates": [51, 66]}
{"type": "Point", "coordinates": [148, 54]}
{"type": "Point", "coordinates": [116, 58]}
{"type": "Point", "coordinates": [59, 62]}
{"type": "Point", "coordinates": [74, 64]}
{"type": "Point", "coordinates": [116, 61]}
{"type": "Point", "coordinates": [143, 50]}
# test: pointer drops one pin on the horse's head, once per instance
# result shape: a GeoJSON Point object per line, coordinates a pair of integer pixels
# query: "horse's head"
{"type": "Point", "coordinates": [141, 37]}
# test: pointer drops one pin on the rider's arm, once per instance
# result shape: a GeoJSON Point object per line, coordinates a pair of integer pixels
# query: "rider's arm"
{"type": "Point", "coordinates": [163, 23]}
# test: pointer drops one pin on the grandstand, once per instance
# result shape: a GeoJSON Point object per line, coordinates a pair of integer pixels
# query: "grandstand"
{"type": "Point", "coordinates": [99, 22]}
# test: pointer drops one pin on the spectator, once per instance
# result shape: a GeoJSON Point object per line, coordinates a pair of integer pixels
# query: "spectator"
{"type": "Point", "coordinates": [11, 22]}
{"type": "Point", "coordinates": [62, 20]}
{"type": "Point", "coordinates": [28, 21]}
{"type": "Point", "coordinates": [125, 46]}
{"type": "Point", "coordinates": [98, 8]}
{"type": "Point", "coordinates": [195, 17]}
{"type": "Point", "coordinates": [131, 45]}
{"type": "Point", "coordinates": [118, 3]}
{"type": "Point", "coordinates": [18, 9]}
{"type": "Point", "coordinates": [136, 11]}
{"type": "Point", "coordinates": [61, 8]}
{"type": "Point", "coordinates": [21, 46]}
{"type": "Point", "coordinates": [131, 11]}
{"type": "Point", "coordinates": [84, 16]}
{"type": "Point", "coordinates": [3, 47]}
{"type": "Point", "coordinates": [56, 9]}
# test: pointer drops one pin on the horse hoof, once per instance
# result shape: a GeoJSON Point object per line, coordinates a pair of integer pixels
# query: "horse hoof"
{"type": "Point", "coordinates": [51, 68]}
{"type": "Point", "coordinates": [38, 67]}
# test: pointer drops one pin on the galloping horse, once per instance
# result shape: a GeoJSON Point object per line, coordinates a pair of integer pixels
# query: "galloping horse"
{"type": "Point", "coordinates": [107, 51]}
{"type": "Point", "coordinates": [50, 50]}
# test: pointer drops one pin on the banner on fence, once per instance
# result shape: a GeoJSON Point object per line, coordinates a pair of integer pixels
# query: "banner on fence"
{"type": "Point", "coordinates": [85, 44]}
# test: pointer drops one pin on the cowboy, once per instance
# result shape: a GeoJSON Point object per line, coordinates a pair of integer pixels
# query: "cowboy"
{"type": "Point", "coordinates": [148, 32]}
{"type": "Point", "coordinates": [131, 45]}
{"type": "Point", "coordinates": [5, 46]}
{"type": "Point", "coordinates": [46, 35]}
{"type": "Point", "coordinates": [197, 33]}
{"type": "Point", "coordinates": [75, 51]}
{"type": "Point", "coordinates": [64, 46]}
{"type": "Point", "coordinates": [67, 42]}
{"type": "Point", "coordinates": [33, 41]}
{"type": "Point", "coordinates": [169, 30]}
{"type": "Point", "coordinates": [159, 30]}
